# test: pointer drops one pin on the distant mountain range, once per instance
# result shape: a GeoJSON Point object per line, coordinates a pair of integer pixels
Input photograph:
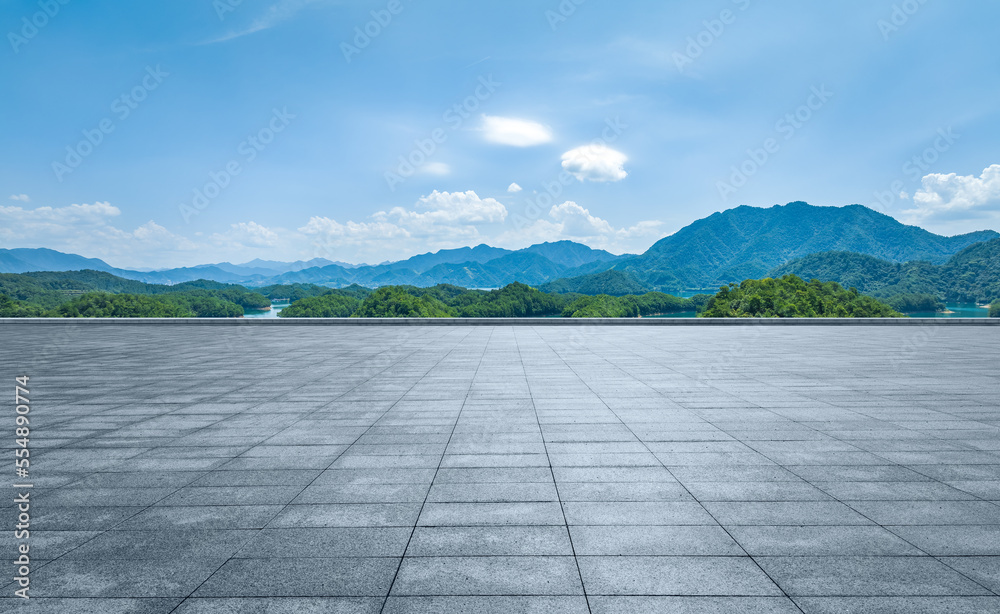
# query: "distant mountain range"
{"type": "Point", "coordinates": [971, 275]}
{"type": "Point", "coordinates": [738, 244]}
{"type": "Point", "coordinates": [747, 242]}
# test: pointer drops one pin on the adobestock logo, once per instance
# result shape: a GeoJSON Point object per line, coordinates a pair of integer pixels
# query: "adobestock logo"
{"type": "Point", "coordinates": [551, 190]}
{"type": "Point", "coordinates": [31, 26]}
{"type": "Point", "coordinates": [916, 167]}
{"type": "Point", "coordinates": [366, 33]}
{"type": "Point", "coordinates": [248, 151]}
{"type": "Point", "coordinates": [565, 10]}
{"type": "Point", "coordinates": [788, 126]}
{"type": "Point", "coordinates": [425, 148]}
{"type": "Point", "coordinates": [900, 16]}
{"type": "Point", "coordinates": [714, 29]}
{"type": "Point", "coordinates": [122, 107]}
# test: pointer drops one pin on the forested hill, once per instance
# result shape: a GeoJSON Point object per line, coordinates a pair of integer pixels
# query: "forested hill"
{"type": "Point", "coordinates": [747, 242]}
{"type": "Point", "coordinates": [741, 243]}
{"type": "Point", "coordinates": [973, 274]}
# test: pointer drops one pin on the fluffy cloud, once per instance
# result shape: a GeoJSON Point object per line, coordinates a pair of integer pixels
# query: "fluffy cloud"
{"type": "Point", "coordinates": [595, 163]}
{"type": "Point", "coordinates": [88, 230]}
{"type": "Point", "coordinates": [952, 197]}
{"type": "Point", "coordinates": [247, 234]}
{"type": "Point", "coordinates": [576, 223]}
{"type": "Point", "coordinates": [21, 197]}
{"type": "Point", "coordinates": [514, 188]}
{"type": "Point", "coordinates": [515, 132]}
{"type": "Point", "coordinates": [438, 220]}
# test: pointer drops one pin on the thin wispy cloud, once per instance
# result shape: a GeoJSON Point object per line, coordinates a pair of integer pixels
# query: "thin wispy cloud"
{"type": "Point", "coordinates": [276, 14]}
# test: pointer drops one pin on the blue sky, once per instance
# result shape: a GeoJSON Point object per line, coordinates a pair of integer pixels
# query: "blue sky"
{"type": "Point", "coordinates": [156, 134]}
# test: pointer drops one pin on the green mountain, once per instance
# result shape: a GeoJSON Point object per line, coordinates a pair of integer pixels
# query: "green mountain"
{"type": "Point", "coordinates": [971, 275]}
{"type": "Point", "coordinates": [612, 283]}
{"type": "Point", "coordinates": [747, 242]}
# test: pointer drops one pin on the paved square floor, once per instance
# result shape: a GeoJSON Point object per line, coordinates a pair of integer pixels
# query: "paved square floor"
{"type": "Point", "coordinates": [271, 470]}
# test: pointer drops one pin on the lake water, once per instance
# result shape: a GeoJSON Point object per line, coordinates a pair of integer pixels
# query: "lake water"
{"type": "Point", "coordinates": [271, 313]}
{"type": "Point", "coordinates": [967, 310]}
{"type": "Point", "coordinates": [960, 311]}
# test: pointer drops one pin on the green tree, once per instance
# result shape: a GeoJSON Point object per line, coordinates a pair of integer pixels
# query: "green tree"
{"type": "Point", "coordinates": [326, 306]}
{"type": "Point", "coordinates": [104, 305]}
{"type": "Point", "coordinates": [395, 302]}
{"type": "Point", "coordinates": [995, 309]}
{"type": "Point", "coordinates": [791, 297]}
{"type": "Point", "coordinates": [10, 308]}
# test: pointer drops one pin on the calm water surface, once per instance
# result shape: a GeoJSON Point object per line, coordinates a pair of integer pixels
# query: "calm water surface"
{"type": "Point", "coordinates": [272, 313]}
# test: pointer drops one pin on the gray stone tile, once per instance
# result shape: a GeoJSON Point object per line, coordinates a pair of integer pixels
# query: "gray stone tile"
{"type": "Point", "coordinates": [492, 493]}
{"type": "Point", "coordinates": [624, 491]}
{"type": "Point", "coordinates": [490, 541]}
{"type": "Point", "coordinates": [347, 515]}
{"type": "Point", "coordinates": [495, 604]}
{"type": "Point", "coordinates": [983, 569]}
{"type": "Point", "coordinates": [494, 575]}
{"type": "Point", "coordinates": [41, 605]}
{"type": "Point", "coordinates": [329, 542]}
{"type": "Point", "coordinates": [301, 577]}
{"type": "Point", "coordinates": [898, 605]}
{"type": "Point", "coordinates": [867, 576]}
{"type": "Point", "coordinates": [121, 578]}
{"type": "Point", "coordinates": [653, 541]}
{"type": "Point", "coordinates": [769, 445]}
{"type": "Point", "coordinates": [929, 512]}
{"type": "Point", "coordinates": [681, 575]}
{"type": "Point", "coordinates": [469, 514]}
{"type": "Point", "coordinates": [163, 544]}
{"type": "Point", "coordinates": [820, 541]}
{"type": "Point", "coordinates": [938, 540]}
{"type": "Point", "coordinates": [692, 605]}
{"type": "Point", "coordinates": [784, 513]}
{"type": "Point", "coordinates": [756, 491]}
{"type": "Point", "coordinates": [636, 513]}
{"type": "Point", "coordinates": [201, 517]}
{"type": "Point", "coordinates": [281, 605]}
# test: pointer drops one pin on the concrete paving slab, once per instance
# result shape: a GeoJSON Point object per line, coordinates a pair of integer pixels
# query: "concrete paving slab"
{"type": "Point", "coordinates": [494, 468]}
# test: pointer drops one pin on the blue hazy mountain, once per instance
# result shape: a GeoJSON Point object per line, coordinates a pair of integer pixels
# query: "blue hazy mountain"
{"type": "Point", "coordinates": [747, 242]}
{"type": "Point", "coordinates": [733, 245]}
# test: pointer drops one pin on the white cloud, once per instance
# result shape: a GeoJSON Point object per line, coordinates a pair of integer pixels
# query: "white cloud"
{"type": "Point", "coordinates": [514, 188]}
{"type": "Point", "coordinates": [515, 132]}
{"type": "Point", "coordinates": [450, 208]}
{"type": "Point", "coordinates": [947, 200]}
{"type": "Point", "coordinates": [439, 220]}
{"type": "Point", "coordinates": [435, 168]}
{"type": "Point", "coordinates": [276, 13]}
{"type": "Point", "coordinates": [247, 234]}
{"type": "Point", "coordinates": [21, 197]}
{"type": "Point", "coordinates": [88, 230]}
{"type": "Point", "coordinates": [576, 223]}
{"type": "Point", "coordinates": [597, 163]}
